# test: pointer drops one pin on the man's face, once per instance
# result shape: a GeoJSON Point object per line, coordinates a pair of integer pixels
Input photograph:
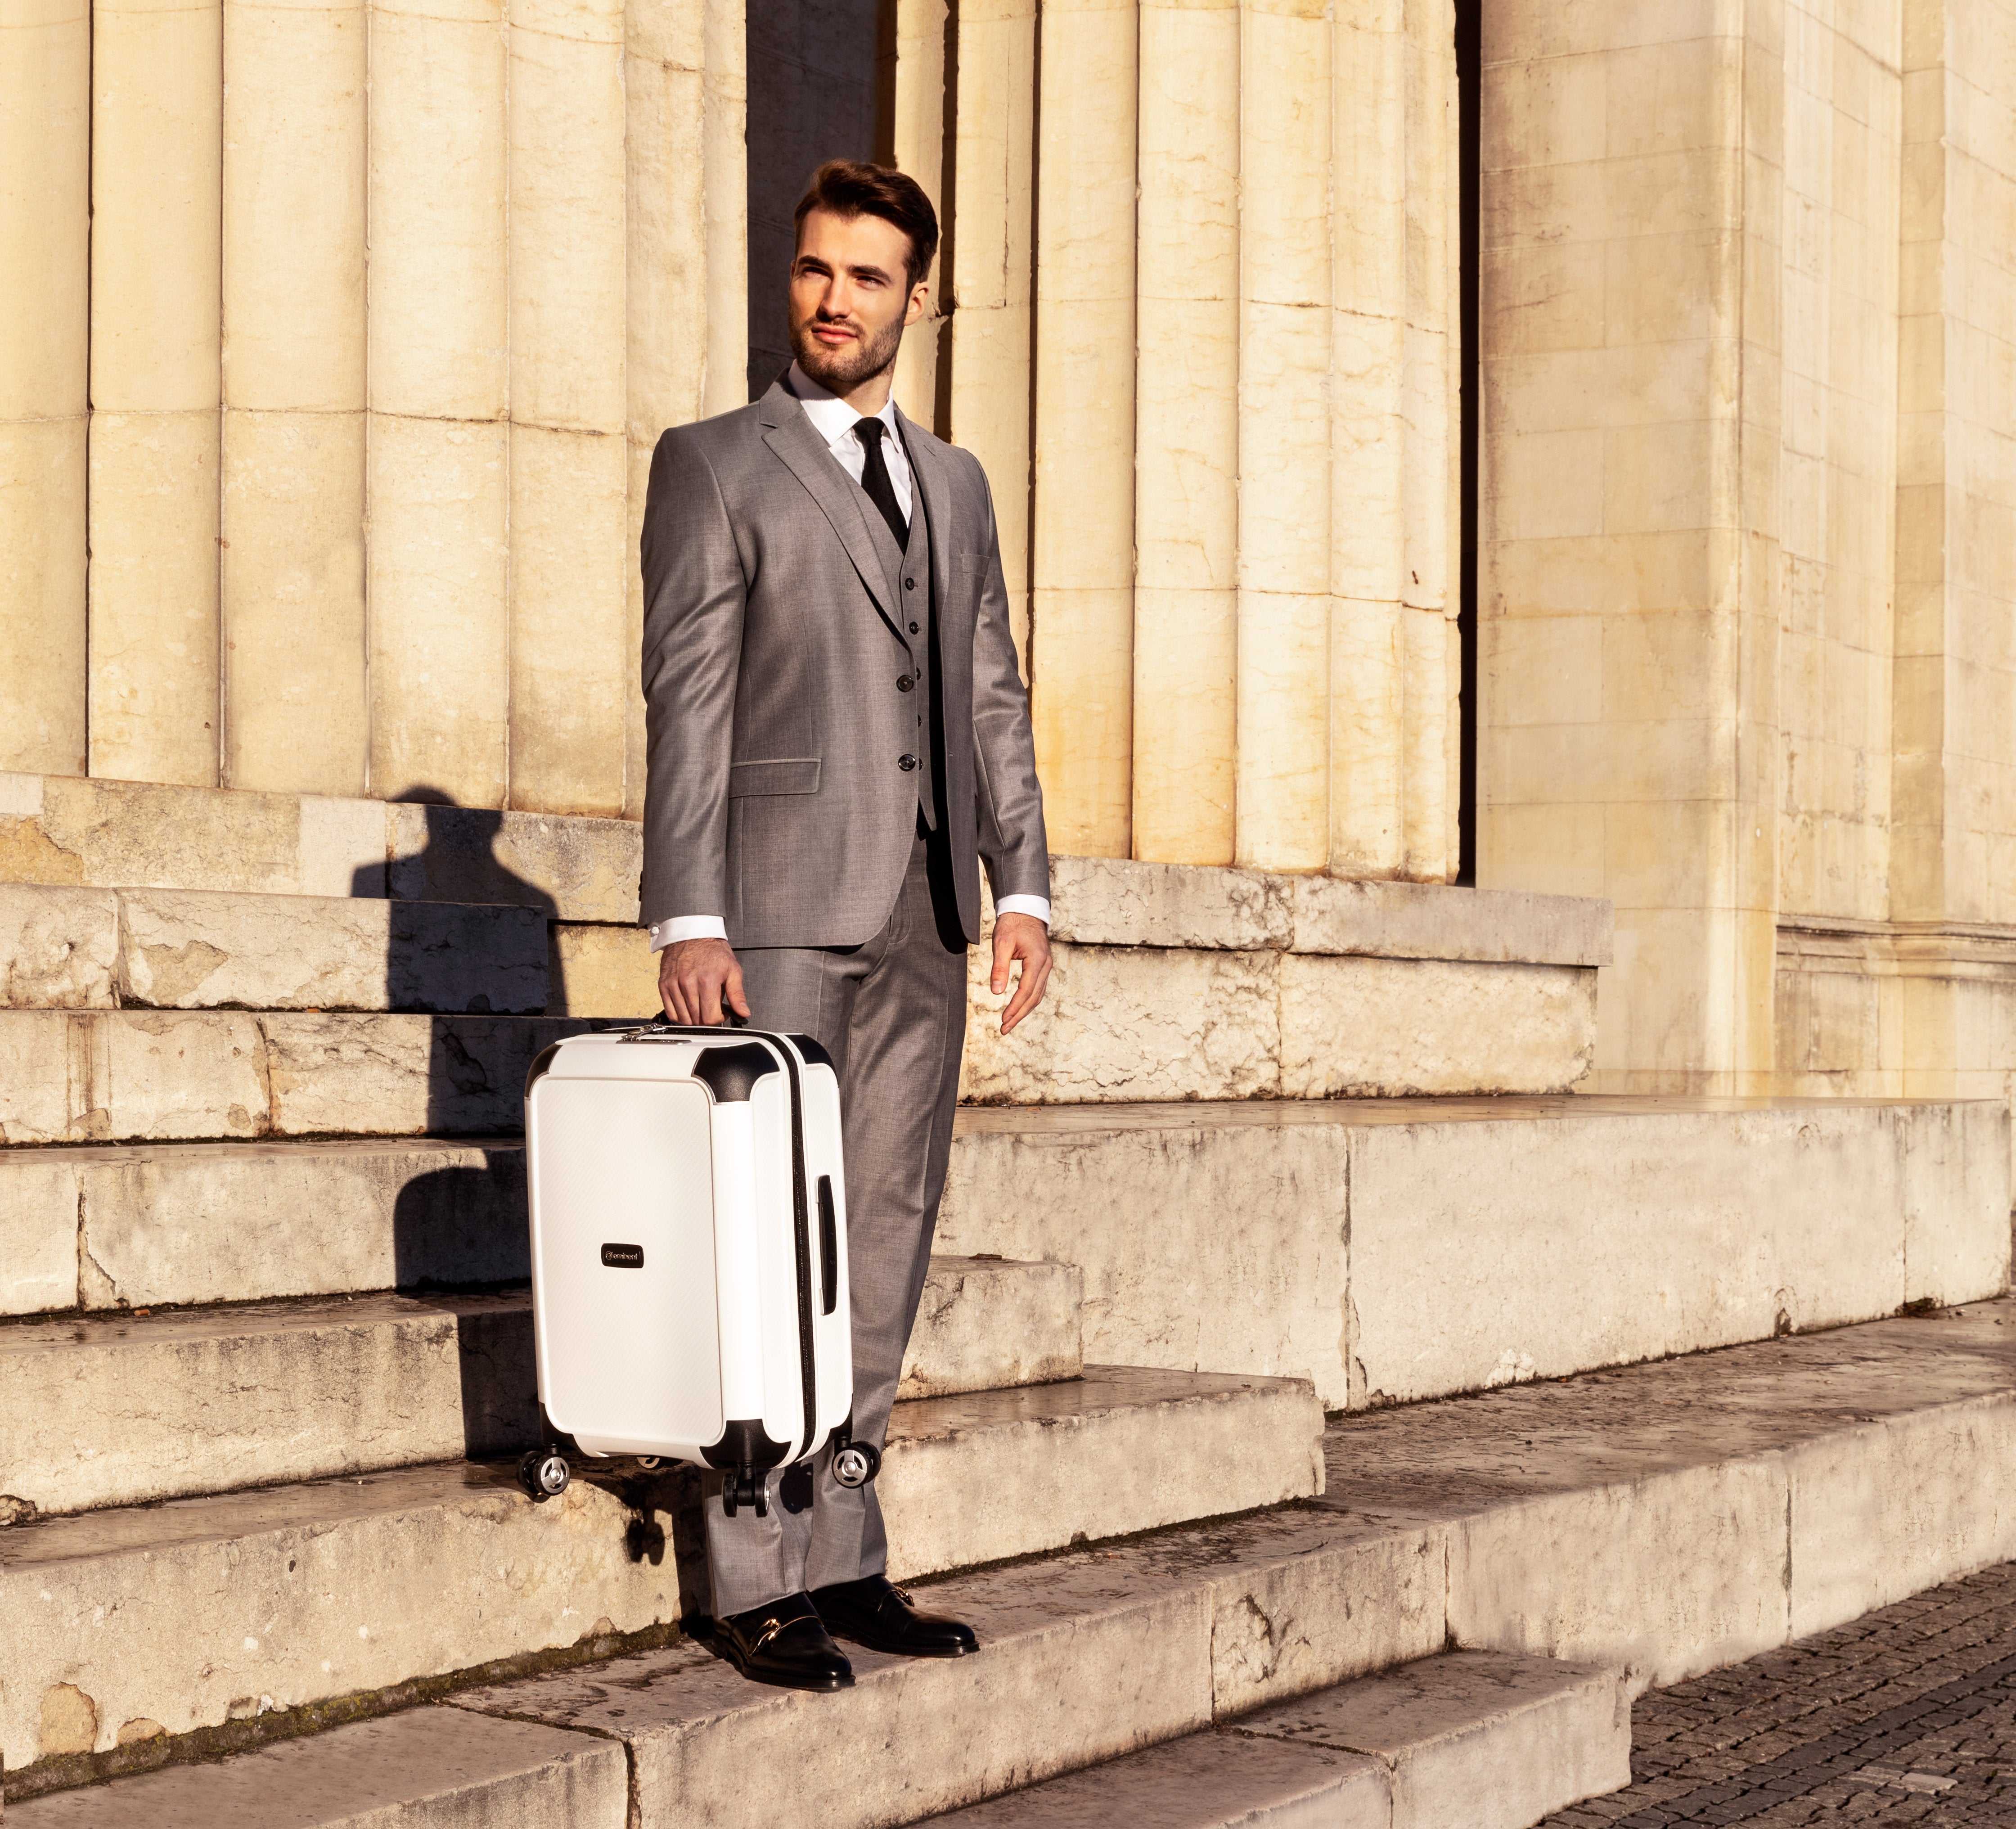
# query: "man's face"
{"type": "Point", "coordinates": [851, 298]}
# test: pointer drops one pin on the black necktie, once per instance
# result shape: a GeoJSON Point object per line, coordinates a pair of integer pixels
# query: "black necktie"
{"type": "Point", "coordinates": [875, 480]}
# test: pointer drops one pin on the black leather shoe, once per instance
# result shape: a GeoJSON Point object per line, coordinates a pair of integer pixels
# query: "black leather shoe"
{"type": "Point", "coordinates": [875, 1612]}
{"type": "Point", "coordinates": [784, 1643]}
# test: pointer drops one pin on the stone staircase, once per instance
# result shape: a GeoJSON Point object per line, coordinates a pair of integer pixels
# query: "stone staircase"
{"type": "Point", "coordinates": [264, 1345]}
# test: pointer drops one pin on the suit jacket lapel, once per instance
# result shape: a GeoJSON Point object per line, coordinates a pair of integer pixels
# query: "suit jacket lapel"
{"type": "Point", "coordinates": [934, 488]}
{"type": "Point", "coordinates": [790, 435]}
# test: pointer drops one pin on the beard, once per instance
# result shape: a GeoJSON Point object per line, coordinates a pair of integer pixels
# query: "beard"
{"type": "Point", "coordinates": [842, 370]}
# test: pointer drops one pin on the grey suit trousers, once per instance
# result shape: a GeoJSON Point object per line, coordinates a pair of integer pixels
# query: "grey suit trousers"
{"type": "Point", "coordinates": [892, 1014]}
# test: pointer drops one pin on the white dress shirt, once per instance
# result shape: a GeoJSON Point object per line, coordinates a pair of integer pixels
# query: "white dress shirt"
{"type": "Point", "coordinates": [834, 421]}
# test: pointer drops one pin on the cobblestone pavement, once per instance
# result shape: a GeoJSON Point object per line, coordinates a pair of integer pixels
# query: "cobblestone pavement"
{"type": "Point", "coordinates": [1906, 1715]}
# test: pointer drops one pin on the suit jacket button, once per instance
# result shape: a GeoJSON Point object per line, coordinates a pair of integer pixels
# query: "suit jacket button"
{"type": "Point", "coordinates": [904, 682]}
{"type": "Point", "coordinates": [913, 628]}
{"type": "Point", "coordinates": [906, 763]}
{"type": "Point", "coordinates": [909, 583]}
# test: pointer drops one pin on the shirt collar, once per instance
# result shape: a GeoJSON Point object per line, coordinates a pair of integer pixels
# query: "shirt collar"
{"type": "Point", "coordinates": [832, 418]}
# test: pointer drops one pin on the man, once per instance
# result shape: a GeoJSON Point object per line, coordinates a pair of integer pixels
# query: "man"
{"type": "Point", "coordinates": [836, 734]}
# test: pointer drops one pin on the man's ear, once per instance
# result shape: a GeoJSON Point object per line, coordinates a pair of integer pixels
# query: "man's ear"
{"type": "Point", "coordinates": [920, 295]}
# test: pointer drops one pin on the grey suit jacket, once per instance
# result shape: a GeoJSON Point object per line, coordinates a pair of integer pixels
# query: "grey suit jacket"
{"type": "Point", "coordinates": [774, 795]}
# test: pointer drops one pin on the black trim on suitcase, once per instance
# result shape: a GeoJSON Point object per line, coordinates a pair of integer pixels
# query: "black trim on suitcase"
{"type": "Point", "coordinates": [816, 1055]}
{"type": "Point", "coordinates": [732, 1073]}
{"type": "Point", "coordinates": [801, 1217]}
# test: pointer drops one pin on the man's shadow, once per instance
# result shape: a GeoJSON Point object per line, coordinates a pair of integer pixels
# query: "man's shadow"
{"type": "Point", "coordinates": [460, 1229]}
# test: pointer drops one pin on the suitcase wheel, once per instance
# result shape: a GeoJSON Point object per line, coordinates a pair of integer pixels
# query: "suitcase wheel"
{"type": "Point", "coordinates": [857, 1464]}
{"type": "Point", "coordinates": [650, 1462]}
{"type": "Point", "coordinates": [544, 1474]}
{"type": "Point", "coordinates": [746, 1487]}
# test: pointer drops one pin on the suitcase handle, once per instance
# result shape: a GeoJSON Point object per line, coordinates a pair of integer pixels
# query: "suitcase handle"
{"type": "Point", "coordinates": [663, 1021]}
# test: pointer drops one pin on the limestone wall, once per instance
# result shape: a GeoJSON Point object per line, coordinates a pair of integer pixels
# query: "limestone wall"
{"type": "Point", "coordinates": [1750, 529]}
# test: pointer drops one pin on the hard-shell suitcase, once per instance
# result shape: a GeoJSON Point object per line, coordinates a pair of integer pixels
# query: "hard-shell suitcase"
{"type": "Point", "coordinates": [689, 1222]}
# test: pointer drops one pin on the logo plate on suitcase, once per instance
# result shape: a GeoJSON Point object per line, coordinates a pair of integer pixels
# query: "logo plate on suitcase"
{"type": "Point", "coordinates": [623, 1257]}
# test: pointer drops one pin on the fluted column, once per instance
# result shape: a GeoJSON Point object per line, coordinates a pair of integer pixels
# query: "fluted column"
{"type": "Point", "coordinates": [157, 79]}
{"type": "Point", "coordinates": [438, 462]}
{"type": "Point", "coordinates": [569, 659]}
{"type": "Point", "coordinates": [1284, 435]}
{"type": "Point", "coordinates": [1081, 663]}
{"type": "Point", "coordinates": [988, 273]}
{"type": "Point", "coordinates": [1187, 420]}
{"type": "Point", "coordinates": [919, 148]}
{"type": "Point", "coordinates": [686, 196]}
{"type": "Point", "coordinates": [1369, 640]}
{"type": "Point", "coordinates": [1432, 666]}
{"type": "Point", "coordinates": [295, 714]}
{"type": "Point", "coordinates": [45, 394]}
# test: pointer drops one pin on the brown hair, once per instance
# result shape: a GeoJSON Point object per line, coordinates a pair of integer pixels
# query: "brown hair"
{"type": "Point", "coordinates": [852, 187]}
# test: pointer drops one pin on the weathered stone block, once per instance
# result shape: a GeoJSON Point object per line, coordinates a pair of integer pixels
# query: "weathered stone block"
{"type": "Point", "coordinates": [1124, 1024]}
{"type": "Point", "coordinates": [576, 868]}
{"type": "Point", "coordinates": [987, 1323]}
{"type": "Point", "coordinates": [1155, 1448]}
{"type": "Point", "coordinates": [1484, 1738]}
{"type": "Point", "coordinates": [188, 950]}
{"type": "Point", "coordinates": [597, 970]}
{"type": "Point", "coordinates": [1366, 1027]}
{"type": "Point", "coordinates": [153, 1075]}
{"type": "Point", "coordinates": [401, 1075]}
{"type": "Point", "coordinates": [126, 1411]}
{"type": "Point", "coordinates": [59, 948]}
{"type": "Point", "coordinates": [1208, 1239]}
{"type": "Point", "coordinates": [1115, 902]}
{"type": "Point", "coordinates": [1671, 1573]}
{"type": "Point", "coordinates": [1432, 920]}
{"type": "Point", "coordinates": [426, 1768]}
{"type": "Point", "coordinates": [39, 1231]}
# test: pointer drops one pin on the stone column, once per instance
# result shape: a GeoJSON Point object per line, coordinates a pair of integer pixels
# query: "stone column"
{"type": "Point", "coordinates": [1080, 657]}
{"type": "Point", "coordinates": [570, 664]}
{"type": "Point", "coordinates": [157, 129]}
{"type": "Point", "coordinates": [1954, 774]}
{"type": "Point", "coordinates": [1284, 436]}
{"type": "Point", "coordinates": [295, 714]}
{"type": "Point", "coordinates": [987, 275]}
{"type": "Point", "coordinates": [44, 391]}
{"type": "Point", "coordinates": [437, 457]}
{"type": "Point", "coordinates": [1369, 650]}
{"type": "Point", "coordinates": [686, 196]}
{"type": "Point", "coordinates": [1186, 435]}
{"type": "Point", "coordinates": [1630, 559]}
{"type": "Point", "coordinates": [1431, 459]}
{"type": "Point", "coordinates": [918, 148]}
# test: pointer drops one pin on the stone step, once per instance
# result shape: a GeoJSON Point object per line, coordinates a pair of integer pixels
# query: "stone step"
{"type": "Point", "coordinates": [1171, 981]}
{"type": "Point", "coordinates": [1391, 1250]}
{"type": "Point", "coordinates": [1481, 1739]}
{"type": "Point", "coordinates": [426, 1768]}
{"type": "Point", "coordinates": [195, 1613]}
{"type": "Point", "coordinates": [73, 948]}
{"type": "Point", "coordinates": [1667, 1518]}
{"type": "Point", "coordinates": [106, 1076]}
{"type": "Point", "coordinates": [123, 1410]}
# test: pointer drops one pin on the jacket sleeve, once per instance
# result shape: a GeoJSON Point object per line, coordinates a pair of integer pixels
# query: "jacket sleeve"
{"type": "Point", "coordinates": [1009, 800]}
{"type": "Point", "coordinates": [695, 595]}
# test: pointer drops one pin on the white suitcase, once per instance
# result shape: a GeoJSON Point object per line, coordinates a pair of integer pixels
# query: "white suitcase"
{"type": "Point", "coordinates": [688, 1220]}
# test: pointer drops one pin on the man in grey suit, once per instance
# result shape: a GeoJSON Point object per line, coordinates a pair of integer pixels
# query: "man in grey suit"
{"type": "Point", "coordinates": [837, 736]}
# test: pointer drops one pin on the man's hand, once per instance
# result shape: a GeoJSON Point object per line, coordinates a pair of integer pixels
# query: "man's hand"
{"type": "Point", "coordinates": [695, 977]}
{"type": "Point", "coordinates": [1023, 937]}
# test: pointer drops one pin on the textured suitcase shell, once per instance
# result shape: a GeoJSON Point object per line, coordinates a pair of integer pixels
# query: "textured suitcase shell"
{"type": "Point", "coordinates": [688, 1232]}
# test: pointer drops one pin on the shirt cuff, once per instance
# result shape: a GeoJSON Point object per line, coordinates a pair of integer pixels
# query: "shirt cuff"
{"type": "Point", "coordinates": [1038, 906]}
{"type": "Point", "coordinates": [687, 927]}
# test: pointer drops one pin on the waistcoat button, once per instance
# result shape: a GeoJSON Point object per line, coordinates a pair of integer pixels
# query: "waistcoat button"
{"type": "Point", "coordinates": [904, 682]}
{"type": "Point", "coordinates": [906, 763]}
